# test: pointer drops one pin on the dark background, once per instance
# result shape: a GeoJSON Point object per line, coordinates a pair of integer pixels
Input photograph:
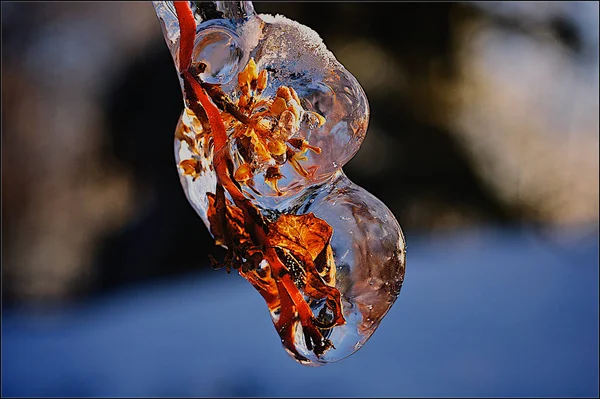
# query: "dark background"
{"type": "Point", "coordinates": [484, 123]}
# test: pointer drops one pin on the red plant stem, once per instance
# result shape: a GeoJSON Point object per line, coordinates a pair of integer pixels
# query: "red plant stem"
{"type": "Point", "coordinates": [212, 112]}
{"type": "Point", "coordinates": [187, 33]}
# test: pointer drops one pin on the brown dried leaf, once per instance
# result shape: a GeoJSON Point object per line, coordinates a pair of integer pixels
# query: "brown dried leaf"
{"type": "Point", "coordinates": [215, 218]}
{"type": "Point", "coordinates": [226, 221]}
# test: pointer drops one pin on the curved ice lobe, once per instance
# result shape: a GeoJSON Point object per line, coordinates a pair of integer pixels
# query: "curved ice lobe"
{"type": "Point", "coordinates": [369, 252]}
{"type": "Point", "coordinates": [296, 56]}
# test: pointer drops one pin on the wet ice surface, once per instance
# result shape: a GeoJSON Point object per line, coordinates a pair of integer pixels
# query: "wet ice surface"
{"type": "Point", "coordinates": [305, 121]}
{"type": "Point", "coordinates": [487, 313]}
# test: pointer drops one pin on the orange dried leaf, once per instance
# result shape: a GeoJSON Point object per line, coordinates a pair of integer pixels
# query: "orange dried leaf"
{"type": "Point", "coordinates": [262, 81]}
{"type": "Point", "coordinates": [284, 92]}
{"type": "Point", "coordinates": [304, 235]}
{"type": "Point", "coordinates": [252, 70]}
{"type": "Point", "coordinates": [243, 173]}
{"type": "Point", "coordinates": [278, 106]}
{"type": "Point", "coordinates": [243, 78]}
{"type": "Point", "coordinates": [190, 167]}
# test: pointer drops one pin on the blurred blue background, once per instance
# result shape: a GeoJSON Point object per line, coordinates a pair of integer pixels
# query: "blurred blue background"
{"type": "Point", "coordinates": [483, 141]}
{"type": "Point", "coordinates": [485, 314]}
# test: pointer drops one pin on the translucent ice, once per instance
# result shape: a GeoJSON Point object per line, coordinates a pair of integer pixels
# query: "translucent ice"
{"type": "Point", "coordinates": [271, 117]}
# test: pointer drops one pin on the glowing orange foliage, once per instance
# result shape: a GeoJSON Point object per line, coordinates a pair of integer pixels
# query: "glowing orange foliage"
{"type": "Point", "coordinates": [288, 259]}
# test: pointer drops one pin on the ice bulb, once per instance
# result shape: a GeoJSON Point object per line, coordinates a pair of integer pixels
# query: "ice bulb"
{"type": "Point", "coordinates": [270, 119]}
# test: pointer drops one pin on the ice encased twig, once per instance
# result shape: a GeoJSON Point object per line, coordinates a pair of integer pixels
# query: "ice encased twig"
{"type": "Point", "coordinates": [367, 242]}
